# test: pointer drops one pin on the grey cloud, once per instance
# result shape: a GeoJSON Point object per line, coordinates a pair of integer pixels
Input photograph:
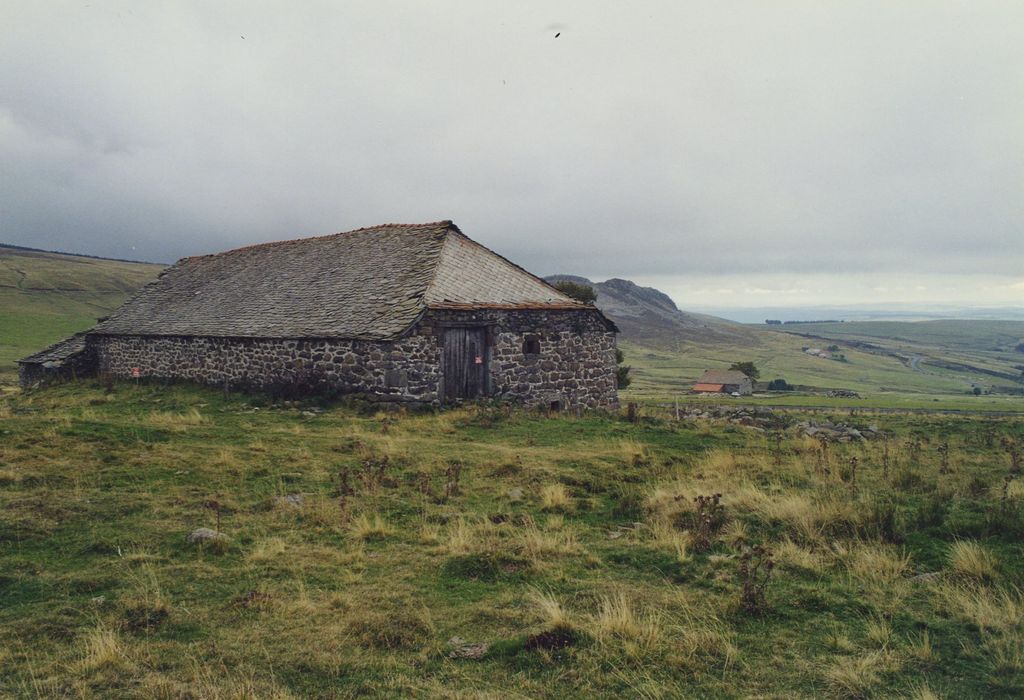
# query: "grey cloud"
{"type": "Point", "coordinates": [655, 139]}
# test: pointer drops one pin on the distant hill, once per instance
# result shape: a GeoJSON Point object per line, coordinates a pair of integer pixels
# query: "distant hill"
{"type": "Point", "coordinates": [669, 348]}
{"type": "Point", "coordinates": [649, 317]}
{"type": "Point", "coordinates": [46, 296]}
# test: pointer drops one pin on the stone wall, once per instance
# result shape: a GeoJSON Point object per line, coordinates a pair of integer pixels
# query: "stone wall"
{"type": "Point", "coordinates": [537, 358]}
{"type": "Point", "coordinates": [574, 365]}
{"type": "Point", "coordinates": [74, 365]}
{"type": "Point", "coordinates": [402, 370]}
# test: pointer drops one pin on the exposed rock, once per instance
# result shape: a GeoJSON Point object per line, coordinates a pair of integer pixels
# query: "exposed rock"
{"type": "Point", "coordinates": [205, 534]}
{"type": "Point", "coordinates": [515, 494]}
{"type": "Point", "coordinates": [760, 418]}
{"type": "Point", "coordinates": [292, 500]}
{"type": "Point", "coordinates": [837, 432]}
{"type": "Point", "coordinates": [461, 649]}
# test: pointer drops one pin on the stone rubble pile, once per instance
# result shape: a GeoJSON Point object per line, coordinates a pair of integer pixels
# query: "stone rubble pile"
{"type": "Point", "coordinates": [764, 418]}
{"type": "Point", "coordinates": [836, 432]}
{"type": "Point", "coordinates": [761, 417]}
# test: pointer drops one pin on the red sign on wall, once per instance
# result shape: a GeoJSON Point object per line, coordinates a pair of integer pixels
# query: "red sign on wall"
{"type": "Point", "coordinates": [136, 372]}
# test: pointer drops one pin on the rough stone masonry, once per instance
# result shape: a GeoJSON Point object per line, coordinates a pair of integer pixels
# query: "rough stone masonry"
{"type": "Point", "coordinates": [574, 365]}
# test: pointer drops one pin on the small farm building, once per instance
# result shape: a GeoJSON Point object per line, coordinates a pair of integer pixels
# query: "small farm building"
{"type": "Point", "coordinates": [410, 313]}
{"type": "Point", "coordinates": [724, 381]}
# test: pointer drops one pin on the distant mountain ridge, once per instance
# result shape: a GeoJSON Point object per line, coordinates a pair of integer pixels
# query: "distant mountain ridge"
{"type": "Point", "coordinates": [649, 316]}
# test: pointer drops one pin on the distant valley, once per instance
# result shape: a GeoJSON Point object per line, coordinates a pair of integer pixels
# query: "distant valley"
{"type": "Point", "coordinates": [926, 360]}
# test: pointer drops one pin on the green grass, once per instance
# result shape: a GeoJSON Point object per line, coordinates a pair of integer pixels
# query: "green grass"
{"type": "Point", "coordinates": [870, 401]}
{"type": "Point", "coordinates": [881, 377]}
{"type": "Point", "coordinates": [591, 584]}
{"type": "Point", "coordinates": [993, 336]}
{"type": "Point", "coordinates": [46, 296]}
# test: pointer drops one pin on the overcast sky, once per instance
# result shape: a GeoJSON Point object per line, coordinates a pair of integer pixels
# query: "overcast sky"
{"type": "Point", "coordinates": [732, 153]}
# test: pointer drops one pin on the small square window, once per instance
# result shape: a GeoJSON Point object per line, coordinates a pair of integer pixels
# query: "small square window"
{"type": "Point", "coordinates": [531, 346]}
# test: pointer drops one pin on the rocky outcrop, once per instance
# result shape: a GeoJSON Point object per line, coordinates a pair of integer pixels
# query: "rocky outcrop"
{"type": "Point", "coordinates": [650, 317]}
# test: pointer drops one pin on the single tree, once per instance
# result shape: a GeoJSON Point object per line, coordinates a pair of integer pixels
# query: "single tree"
{"type": "Point", "coordinates": [579, 292]}
{"type": "Point", "coordinates": [622, 378]}
{"type": "Point", "coordinates": [747, 368]}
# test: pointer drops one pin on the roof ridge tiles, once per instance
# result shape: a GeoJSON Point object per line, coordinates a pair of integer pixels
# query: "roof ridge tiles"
{"type": "Point", "coordinates": [433, 225]}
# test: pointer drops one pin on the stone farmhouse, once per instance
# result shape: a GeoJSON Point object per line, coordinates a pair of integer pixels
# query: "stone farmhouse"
{"type": "Point", "coordinates": [724, 381]}
{"type": "Point", "coordinates": [418, 314]}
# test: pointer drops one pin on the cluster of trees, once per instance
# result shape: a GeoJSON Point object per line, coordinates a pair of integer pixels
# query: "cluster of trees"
{"type": "Point", "coordinates": [579, 292]}
{"type": "Point", "coordinates": [748, 368]}
{"type": "Point", "coordinates": [751, 370]}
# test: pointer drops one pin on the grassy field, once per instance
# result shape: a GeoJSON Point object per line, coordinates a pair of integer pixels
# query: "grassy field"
{"type": "Point", "coordinates": [47, 296]}
{"type": "Point", "coordinates": [880, 402]}
{"type": "Point", "coordinates": [489, 553]}
{"type": "Point", "coordinates": [885, 377]}
{"type": "Point", "coordinates": [986, 336]}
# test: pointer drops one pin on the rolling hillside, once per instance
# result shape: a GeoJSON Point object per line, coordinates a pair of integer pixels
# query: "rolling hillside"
{"type": "Point", "coordinates": [47, 296]}
{"type": "Point", "coordinates": [649, 317]}
{"type": "Point", "coordinates": [890, 362]}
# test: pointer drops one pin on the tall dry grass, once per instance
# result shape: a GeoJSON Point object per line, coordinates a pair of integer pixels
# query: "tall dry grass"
{"type": "Point", "coordinates": [551, 610]}
{"type": "Point", "coordinates": [556, 497]}
{"type": "Point", "coordinates": [972, 560]}
{"type": "Point", "coordinates": [175, 422]}
{"type": "Point", "coordinates": [370, 527]}
{"type": "Point", "coordinates": [540, 544]}
{"type": "Point", "coordinates": [856, 676]}
{"type": "Point", "coordinates": [669, 539]}
{"type": "Point", "coordinates": [985, 607]}
{"type": "Point", "coordinates": [618, 620]}
{"type": "Point", "coordinates": [102, 649]}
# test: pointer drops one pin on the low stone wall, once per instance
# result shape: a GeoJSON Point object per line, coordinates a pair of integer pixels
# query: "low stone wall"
{"type": "Point", "coordinates": [536, 358]}
{"type": "Point", "coordinates": [402, 370]}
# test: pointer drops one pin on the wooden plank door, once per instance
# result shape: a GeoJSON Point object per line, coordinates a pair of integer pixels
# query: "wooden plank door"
{"type": "Point", "coordinates": [464, 363]}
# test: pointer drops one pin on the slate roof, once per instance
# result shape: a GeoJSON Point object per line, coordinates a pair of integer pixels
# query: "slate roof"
{"type": "Point", "coordinates": [371, 283]}
{"type": "Point", "coordinates": [723, 376]}
{"type": "Point", "coordinates": [58, 352]}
